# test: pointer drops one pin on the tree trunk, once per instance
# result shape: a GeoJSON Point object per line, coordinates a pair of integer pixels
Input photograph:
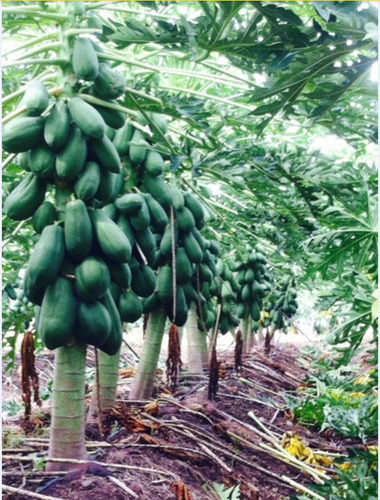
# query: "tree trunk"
{"type": "Point", "coordinates": [250, 335]}
{"type": "Point", "coordinates": [196, 345]}
{"type": "Point", "coordinates": [67, 433]}
{"type": "Point", "coordinates": [105, 386]}
{"type": "Point", "coordinates": [142, 386]}
{"type": "Point", "coordinates": [244, 331]}
{"type": "Point", "coordinates": [260, 336]}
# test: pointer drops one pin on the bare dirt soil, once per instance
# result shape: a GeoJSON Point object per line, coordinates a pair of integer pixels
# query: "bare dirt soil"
{"type": "Point", "coordinates": [179, 443]}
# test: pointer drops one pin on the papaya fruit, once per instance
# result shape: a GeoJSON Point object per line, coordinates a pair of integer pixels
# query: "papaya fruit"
{"type": "Point", "coordinates": [22, 160]}
{"type": "Point", "coordinates": [113, 118]}
{"type": "Point", "coordinates": [45, 215]}
{"type": "Point", "coordinates": [246, 293]}
{"type": "Point", "coordinates": [57, 126]}
{"type": "Point", "coordinates": [85, 61]}
{"type": "Point", "coordinates": [114, 340]}
{"type": "Point", "coordinates": [41, 161]}
{"type": "Point", "coordinates": [150, 304]}
{"type": "Point", "coordinates": [109, 84]}
{"type": "Point", "coordinates": [71, 159]}
{"type": "Point", "coordinates": [194, 205]}
{"type": "Point", "coordinates": [58, 314]}
{"type": "Point", "coordinates": [178, 200]}
{"type": "Point", "coordinates": [141, 220]}
{"type": "Point", "coordinates": [255, 311]}
{"type": "Point", "coordinates": [205, 273]}
{"type": "Point", "coordinates": [157, 187]}
{"type": "Point", "coordinates": [165, 285]}
{"type": "Point", "coordinates": [124, 224]}
{"type": "Point", "coordinates": [167, 242]}
{"type": "Point", "coordinates": [249, 276]}
{"type": "Point", "coordinates": [105, 154]}
{"type": "Point", "coordinates": [130, 307]}
{"type": "Point", "coordinates": [122, 138]}
{"type": "Point", "coordinates": [120, 274]}
{"type": "Point", "coordinates": [92, 278]}
{"type": "Point", "coordinates": [47, 257]}
{"type": "Point", "coordinates": [200, 240]}
{"type": "Point", "coordinates": [179, 316]}
{"type": "Point", "coordinates": [158, 218]}
{"type": "Point", "coordinates": [111, 239]}
{"type": "Point", "coordinates": [111, 211]}
{"type": "Point", "coordinates": [193, 250]}
{"type": "Point", "coordinates": [154, 163]}
{"type": "Point", "coordinates": [214, 246]}
{"type": "Point", "coordinates": [137, 148]}
{"type": "Point", "coordinates": [33, 293]}
{"type": "Point", "coordinates": [23, 201]}
{"type": "Point", "coordinates": [93, 324]}
{"type": "Point", "coordinates": [87, 118]}
{"type": "Point", "coordinates": [87, 183]}
{"type": "Point", "coordinates": [185, 220]}
{"type": "Point", "coordinates": [35, 99]}
{"type": "Point", "coordinates": [160, 122]}
{"type": "Point", "coordinates": [23, 133]}
{"type": "Point", "coordinates": [143, 280]}
{"type": "Point", "coordinates": [78, 230]}
{"type": "Point", "coordinates": [106, 188]}
{"type": "Point", "coordinates": [147, 243]}
{"type": "Point", "coordinates": [130, 203]}
{"type": "Point", "coordinates": [184, 268]}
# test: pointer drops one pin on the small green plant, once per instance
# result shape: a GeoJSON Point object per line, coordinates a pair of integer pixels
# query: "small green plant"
{"type": "Point", "coordinates": [219, 492]}
{"type": "Point", "coordinates": [11, 408]}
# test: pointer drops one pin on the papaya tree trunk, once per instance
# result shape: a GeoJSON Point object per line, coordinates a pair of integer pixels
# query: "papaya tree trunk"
{"type": "Point", "coordinates": [142, 386]}
{"type": "Point", "coordinates": [250, 335]}
{"type": "Point", "coordinates": [105, 387]}
{"type": "Point", "coordinates": [244, 331]}
{"type": "Point", "coordinates": [260, 336]}
{"type": "Point", "coordinates": [195, 344]}
{"type": "Point", "coordinates": [67, 433]}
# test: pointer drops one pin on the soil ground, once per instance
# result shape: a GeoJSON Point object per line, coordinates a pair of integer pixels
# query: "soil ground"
{"type": "Point", "coordinates": [179, 443]}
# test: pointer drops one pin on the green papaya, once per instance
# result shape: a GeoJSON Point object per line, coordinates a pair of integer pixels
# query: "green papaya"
{"type": "Point", "coordinates": [111, 211]}
{"type": "Point", "coordinates": [106, 188]}
{"type": "Point", "coordinates": [87, 118]}
{"type": "Point", "coordinates": [205, 273]}
{"type": "Point", "coordinates": [130, 307]}
{"type": "Point", "coordinates": [141, 220]}
{"type": "Point", "coordinates": [35, 99]}
{"type": "Point", "coordinates": [193, 250]}
{"type": "Point", "coordinates": [249, 276]}
{"type": "Point", "coordinates": [85, 61]}
{"type": "Point", "coordinates": [22, 160]}
{"type": "Point", "coordinates": [167, 241]}
{"type": "Point", "coordinates": [114, 340]}
{"type": "Point", "coordinates": [124, 224]}
{"type": "Point", "coordinates": [71, 159]}
{"type": "Point", "coordinates": [246, 293]}
{"type": "Point", "coordinates": [93, 324]}
{"type": "Point", "coordinates": [45, 215]}
{"type": "Point", "coordinates": [113, 118]}
{"type": "Point", "coordinates": [130, 203]}
{"type": "Point", "coordinates": [109, 84]}
{"type": "Point", "coordinates": [78, 230]}
{"type": "Point", "coordinates": [160, 191]}
{"type": "Point", "coordinates": [147, 243]}
{"type": "Point", "coordinates": [88, 181]}
{"type": "Point", "coordinates": [179, 316]}
{"type": "Point", "coordinates": [143, 280]}
{"type": "Point", "coordinates": [158, 218]}
{"type": "Point", "coordinates": [41, 161]}
{"type": "Point", "coordinates": [120, 274]}
{"type": "Point", "coordinates": [92, 278]}
{"type": "Point", "coordinates": [112, 241]}
{"type": "Point", "coordinates": [58, 314]}
{"type": "Point", "coordinates": [137, 148]}
{"type": "Point", "coordinates": [105, 154]}
{"type": "Point", "coordinates": [255, 311]}
{"type": "Point", "coordinates": [57, 126]}
{"type": "Point", "coordinates": [200, 240]}
{"type": "Point", "coordinates": [122, 138]}
{"type": "Point", "coordinates": [154, 163]}
{"type": "Point", "coordinates": [185, 220]}
{"type": "Point", "coordinates": [160, 122]}
{"type": "Point", "coordinates": [165, 285]}
{"type": "Point", "coordinates": [240, 311]}
{"type": "Point", "coordinates": [194, 205]}
{"type": "Point", "coordinates": [184, 268]}
{"type": "Point", "coordinates": [214, 246]}
{"type": "Point", "coordinates": [23, 133]}
{"type": "Point", "coordinates": [150, 304]}
{"type": "Point", "coordinates": [23, 201]}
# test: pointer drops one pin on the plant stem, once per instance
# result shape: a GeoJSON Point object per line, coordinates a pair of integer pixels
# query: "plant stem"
{"type": "Point", "coordinates": [39, 50]}
{"type": "Point", "coordinates": [30, 43]}
{"type": "Point", "coordinates": [105, 104]}
{"type": "Point", "coordinates": [59, 18]}
{"type": "Point", "coordinates": [67, 437]}
{"type": "Point", "coordinates": [194, 342]}
{"type": "Point", "coordinates": [143, 381]}
{"type": "Point", "coordinates": [42, 62]}
{"type": "Point", "coordinates": [42, 77]}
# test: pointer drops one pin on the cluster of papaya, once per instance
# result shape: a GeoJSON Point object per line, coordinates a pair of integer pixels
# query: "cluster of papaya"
{"type": "Point", "coordinates": [253, 284]}
{"type": "Point", "coordinates": [282, 304]}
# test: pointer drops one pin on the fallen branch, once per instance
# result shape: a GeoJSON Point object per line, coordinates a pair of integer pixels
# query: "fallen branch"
{"type": "Point", "coordinates": [27, 493]}
{"type": "Point", "coordinates": [121, 485]}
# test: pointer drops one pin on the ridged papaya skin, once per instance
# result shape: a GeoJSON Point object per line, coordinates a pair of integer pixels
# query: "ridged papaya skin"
{"type": "Point", "coordinates": [143, 281]}
{"type": "Point", "coordinates": [47, 257]}
{"type": "Point", "coordinates": [87, 118]}
{"type": "Point", "coordinates": [111, 239]}
{"type": "Point", "coordinates": [36, 98]}
{"type": "Point", "coordinates": [106, 188]}
{"type": "Point", "coordinates": [165, 284]}
{"type": "Point", "coordinates": [27, 196]}
{"type": "Point", "coordinates": [158, 217]}
{"type": "Point", "coordinates": [120, 274]}
{"type": "Point", "coordinates": [109, 84]}
{"type": "Point", "coordinates": [88, 181]}
{"type": "Point", "coordinates": [123, 222]}
{"type": "Point", "coordinates": [157, 187]}
{"type": "Point", "coordinates": [70, 160]}
{"type": "Point", "coordinates": [193, 250]}
{"type": "Point", "coordinates": [122, 138]}
{"type": "Point", "coordinates": [130, 203]}
{"type": "Point", "coordinates": [58, 314]}
{"type": "Point", "coordinates": [22, 160]}
{"type": "Point", "coordinates": [23, 133]}
{"type": "Point", "coordinates": [185, 220]}
{"type": "Point", "coordinates": [154, 163]}
{"type": "Point", "coordinates": [114, 340]}
{"type": "Point", "coordinates": [130, 307]}
{"type": "Point", "coordinates": [141, 220]}
{"type": "Point", "coordinates": [45, 215]}
{"type": "Point", "coordinates": [33, 293]}
{"type": "Point", "coordinates": [78, 230]}
{"type": "Point", "coordinates": [85, 61]}
{"type": "Point", "coordinates": [184, 268]}
{"type": "Point", "coordinates": [105, 154]}
{"type": "Point", "coordinates": [57, 126]}
{"type": "Point", "coordinates": [181, 310]}
{"type": "Point", "coordinates": [113, 118]}
{"type": "Point", "coordinates": [137, 148]}
{"type": "Point", "coordinates": [194, 205]}
{"type": "Point", "coordinates": [93, 324]}
{"type": "Point", "coordinates": [92, 279]}
{"type": "Point", "coordinates": [41, 161]}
